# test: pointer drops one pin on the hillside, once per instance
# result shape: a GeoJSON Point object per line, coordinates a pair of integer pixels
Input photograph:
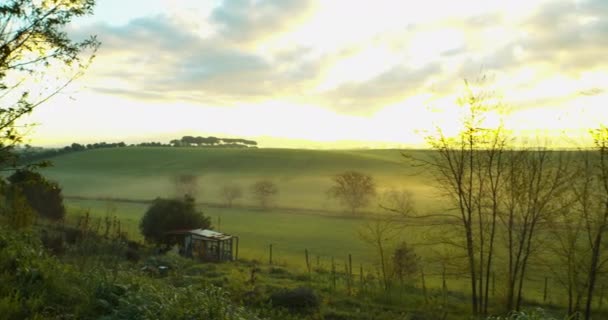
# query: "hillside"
{"type": "Point", "coordinates": [302, 175]}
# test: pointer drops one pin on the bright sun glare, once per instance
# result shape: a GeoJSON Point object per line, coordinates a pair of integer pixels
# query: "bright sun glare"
{"type": "Point", "coordinates": [373, 72]}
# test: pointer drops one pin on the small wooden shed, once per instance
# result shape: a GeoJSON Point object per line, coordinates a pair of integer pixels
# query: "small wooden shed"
{"type": "Point", "coordinates": [207, 245]}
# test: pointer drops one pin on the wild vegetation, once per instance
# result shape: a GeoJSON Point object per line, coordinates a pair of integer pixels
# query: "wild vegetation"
{"type": "Point", "coordinates": [500, 215]}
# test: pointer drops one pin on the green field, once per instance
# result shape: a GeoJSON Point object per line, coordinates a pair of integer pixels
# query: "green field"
{"type": "Point", "coordinates": [303, 216]}
{"type": "Point", "coordinates": [302, 176]}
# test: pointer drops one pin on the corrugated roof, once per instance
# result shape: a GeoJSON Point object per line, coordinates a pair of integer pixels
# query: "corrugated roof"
{"type": "Point", "coordinates": [210, 234]}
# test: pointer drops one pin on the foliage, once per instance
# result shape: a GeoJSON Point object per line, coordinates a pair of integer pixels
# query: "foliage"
{"type": "Point", "coordinates": [35, 49]}
{"type": "Point", "coordinates": [263, 191]}
{"type": "Point", "coordinates": [29, 154]}
{"type": "Point", "coordinates": [354, 189]}
{"type": "Point", "coordinates": [16, 209]}
{"type": "Point", "coordinates": [36, 286]}
{"type": "Point", "coordinates": [42, 195]}
{"type": "Point", "coordinates": [168, 215]}
{"type": "Point", "coordinates": [188, 141]}
{"type": "Point", "coordinates": [300, 300]}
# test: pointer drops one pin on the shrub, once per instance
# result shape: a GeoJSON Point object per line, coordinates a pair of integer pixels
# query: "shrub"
{"type": "Point", "coordinates": [168, 215]}
{"type": "Point", "coordinates": [42, 195]}
{"type": "Point", "coordinates": [299, 300]}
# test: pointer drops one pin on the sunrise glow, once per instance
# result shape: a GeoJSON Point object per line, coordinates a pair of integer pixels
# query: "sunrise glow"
{"type": "Point", "coordinates": [329, 73]}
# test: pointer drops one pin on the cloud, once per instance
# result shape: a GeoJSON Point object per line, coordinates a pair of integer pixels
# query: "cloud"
{"type": "Point", "coordinates": [155, 54]}
{"type": "Point", "coordinates": [573, 36]}
{"type": "Point", "coordinates": [163, 58]}
{"type": "Point", "coordinates": [249, 20]}
{"type": "Point", "coordinates": [386, 88]}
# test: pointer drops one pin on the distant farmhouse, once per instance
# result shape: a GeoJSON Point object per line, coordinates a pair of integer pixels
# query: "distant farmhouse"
{"type": "Point", "coordinates": [206, 245]}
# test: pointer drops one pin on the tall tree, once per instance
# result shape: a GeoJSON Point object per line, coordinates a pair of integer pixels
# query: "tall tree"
{"type": "Point", "coordinates": [594, 206]}
{"type": "Point", "coordinates": [537, 179]}
{"type": "Point", "coordinates": [467, 168]}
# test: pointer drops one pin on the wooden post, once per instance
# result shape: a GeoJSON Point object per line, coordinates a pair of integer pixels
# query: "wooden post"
{"type": "Point", "coordinates": [545, 291]}
{"type": "Point", "coordinates": [444, 286]}
{"type": "Point", "coordinates": [350, 269]}
{"type": "Point", "coordinates": [347, 278]}
{"type": "Point", "coordinates": [307, 261]}
{"type": "Point", "coordinates": [270, 255]}
{"type": "Point", "coordinates": [361, 276]}
{"type": "Point", "coordinates": [236, 255]}
{"type": "Point", "coordinates": [426, 299]}
{"type": "Point", "coordinates": [333, 273]}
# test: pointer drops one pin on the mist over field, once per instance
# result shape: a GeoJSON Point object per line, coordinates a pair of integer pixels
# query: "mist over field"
{"type": "Point", "coordinates": [310, 159]}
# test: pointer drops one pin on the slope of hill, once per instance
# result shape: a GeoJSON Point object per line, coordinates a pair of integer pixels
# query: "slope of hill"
{"type": "Point", "coordinates": [302, 175]}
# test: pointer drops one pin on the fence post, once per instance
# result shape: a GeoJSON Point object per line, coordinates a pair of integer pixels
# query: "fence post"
{"type": "Point", "coordinates": [426, 298]}
{"type": "Point", "coordinates": [270, 254]}
{"type": "Point", "coordinates": [361, 277]}
{"type": "Point", "coordinates": [307, 261]}
{"type": "Point", "coordinates": [333, 273]}
{"type": "Point", "coordinates": [444, 286]}
{"type": "Point", "coordinates": [350, 269]}
{"type": "Point", "coordinates": [347, 278]}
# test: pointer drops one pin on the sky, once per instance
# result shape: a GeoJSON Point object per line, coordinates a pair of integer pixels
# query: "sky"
{"type": "Point", "coordinates": [330, 74]}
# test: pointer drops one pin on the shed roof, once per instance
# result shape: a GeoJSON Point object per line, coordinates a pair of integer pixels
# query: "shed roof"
{"type": "Point", "coordinates": [205, 233]}
{"type": "Point", "coordinates": [210, 234]}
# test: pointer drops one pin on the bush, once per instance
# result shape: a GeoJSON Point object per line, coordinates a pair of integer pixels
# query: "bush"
{"type": "Point", "coordinates": [42, 195]}
{"type": "Point", "coordinates": [53, 242]}
{"type": "Point", "coordinates": [37, 286]}
{"type": "Point", "coordinates": [300, 300]}
{"type": "Point", "coordinates": [169, 215]}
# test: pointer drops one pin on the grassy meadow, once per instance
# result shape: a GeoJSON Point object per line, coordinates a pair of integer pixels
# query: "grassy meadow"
{"type": "Point", "coordinates": [302, 217]}
{"type": "Point", "coordinates": [302, 176]}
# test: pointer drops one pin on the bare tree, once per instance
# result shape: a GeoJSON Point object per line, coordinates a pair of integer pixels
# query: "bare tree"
{"type": "Point", "coordinates": [353, 189]}
{"type": "Point", "coordinates": [593, 202]}
{"type": "Point", "coordinates": [381, 232]}
{"type": "Point", "coordinates": [400, 201]}
{"type": "Point", "coordinates": [229, 193]}
{"type": "Point", "coordinates": [467, 169]}
{"type": "Point", "coordinates": [186, 185]}
{"type": "Point", "coordinates": [568, 250]}
{"type": "Point", "coordinates": [537, 179]}
{"type": "Point", "coordinates": [263, 191]}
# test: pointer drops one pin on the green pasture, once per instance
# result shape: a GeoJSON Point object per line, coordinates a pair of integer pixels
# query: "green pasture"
{"type": "Point", "coordinates": [291, 232]}
{"type": "Point", "coordinates": [303, 176]}
{"type": "Point", "coordinates": [302, 217]}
